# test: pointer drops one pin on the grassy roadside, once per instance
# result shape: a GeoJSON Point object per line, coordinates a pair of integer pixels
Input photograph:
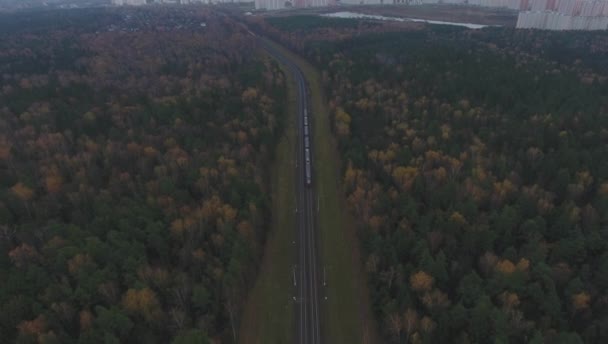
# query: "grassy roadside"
{"type": "Point", "coordinates": [347, 312]}
{"type": "Point", "coordinates": [268, 314]}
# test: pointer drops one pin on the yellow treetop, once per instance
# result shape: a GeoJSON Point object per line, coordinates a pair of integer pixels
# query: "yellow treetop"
{"type": "Point", "coordinates": [405, 176]}
{"type": "Point", "coordinates": [604, 189]}
{"type": "Point", "coordinates": [421, 281]}
{"type": "Point", "coordinates": [53, 183]}
{"type": "Point", "coordinates": [86, 320]}
{"type": "Point", "coordinates": [523, 264]}
{"type": "Point", "coordinates": [457, 218]}
{"type": "Point", "coordinates": [342, 122]}
{"type": "Point", "coordinates": [5, 150]}
{"type": "Point", "coordinates": [23, 192]}
{"type": "Point", "coordinates": [505, 266]}
{"type": "Point", "coordinates": [581, 301]}
{"type": "Point", "coordinates": [142, 302]}
{"type": "Point", "coordinates": [427, 324]}
{"type": "Point", "coordinates": [509, 300]}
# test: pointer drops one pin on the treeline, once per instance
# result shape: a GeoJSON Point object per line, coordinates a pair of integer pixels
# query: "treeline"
{"type": "Point", "coordinates": [475, 164]}
{"type": "Point", "coordinates": [134, 156]}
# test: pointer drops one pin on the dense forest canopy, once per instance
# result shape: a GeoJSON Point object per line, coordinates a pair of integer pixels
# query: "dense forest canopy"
{"type": "Point", "coordinates": [134, 154]}
{"type": "Point", "coordinates": [475, 164]}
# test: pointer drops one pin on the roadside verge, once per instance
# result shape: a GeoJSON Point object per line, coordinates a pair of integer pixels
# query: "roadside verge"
{"type": "Point", "coordinates": [347, 316]}
{"type": "Point", "coordinates": [268, 314]}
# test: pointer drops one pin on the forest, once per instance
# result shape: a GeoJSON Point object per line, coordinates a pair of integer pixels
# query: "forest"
{"type": "Point", "coordinates": [135, 147]}
{"type": "Point", "coordinates": [474, 163]}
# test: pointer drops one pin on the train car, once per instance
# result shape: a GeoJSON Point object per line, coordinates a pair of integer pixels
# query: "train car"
{"type": "Point", "coordinates": [305, 130]}
{"type": "Point", "coordinates": [305, 120]}
{"type": "Point", "coordinates": [307, 152]}
{"type": "Point", "coordinates": [306, 142]}
{"type": "Point", "coordinates": [308, 174]}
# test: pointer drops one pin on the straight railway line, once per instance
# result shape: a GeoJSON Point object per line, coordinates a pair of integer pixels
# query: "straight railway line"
{"type": "Point", "coordinates": [306, 270]}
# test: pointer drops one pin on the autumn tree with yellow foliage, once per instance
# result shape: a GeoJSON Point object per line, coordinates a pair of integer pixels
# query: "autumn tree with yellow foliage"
{"type": "Point", "coordinates": [475, 165]}
{"type": "Point", "coordinates": [135, 147]}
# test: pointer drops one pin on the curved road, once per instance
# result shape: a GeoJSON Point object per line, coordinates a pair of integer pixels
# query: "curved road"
{"type": "Point", "coordinates": [306, 277]}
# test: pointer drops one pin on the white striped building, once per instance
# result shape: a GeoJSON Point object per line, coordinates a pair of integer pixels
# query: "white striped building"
{"type": "Point", "coordinates": [281, 4]}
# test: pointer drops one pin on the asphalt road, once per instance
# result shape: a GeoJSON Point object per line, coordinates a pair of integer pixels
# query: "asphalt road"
{"type": "Point", "coordinates": [306, 273]}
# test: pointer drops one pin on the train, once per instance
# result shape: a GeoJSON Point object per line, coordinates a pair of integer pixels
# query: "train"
{"type": "Point", "coordinates": [307, 142]}
{"type": "Point", "coordinates": [308, 163]}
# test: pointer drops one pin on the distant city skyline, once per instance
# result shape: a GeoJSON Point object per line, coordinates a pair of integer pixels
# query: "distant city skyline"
{"type": "Point", "coordinates": [533, 14]}
{"type": "Point", "coordinates": [144, 2]}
